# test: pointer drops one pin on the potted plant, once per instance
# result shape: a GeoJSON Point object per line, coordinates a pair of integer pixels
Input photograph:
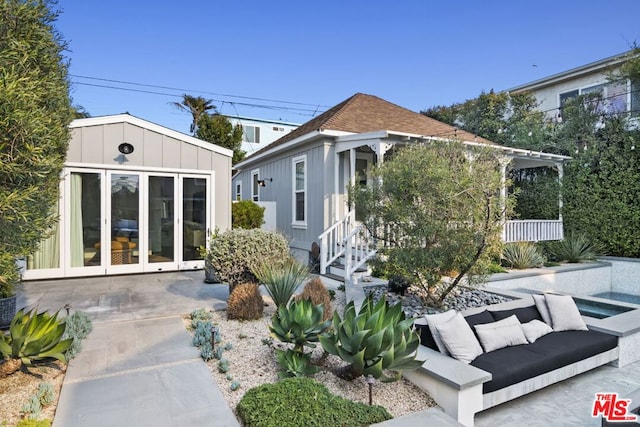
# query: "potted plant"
{"type": "Point", "coordinates": [9, 278]}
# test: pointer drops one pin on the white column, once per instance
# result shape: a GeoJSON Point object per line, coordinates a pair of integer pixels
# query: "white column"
{"type": "Point", "coordinates": [560, 168]}
{"type": "Point", "coordinates": [504, 162]}
{"type": "Point", "coordinates": [352, 166]}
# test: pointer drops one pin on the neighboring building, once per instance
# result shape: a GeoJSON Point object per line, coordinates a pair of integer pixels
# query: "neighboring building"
{"type": "Point", "coordinates": [306, 172]}
{"type": "Point", "coordinates": [258, 133]}
{"type": "Point", "coordinates": [618, 96]}
{"type": "Point", "coordinates": [135, 197]}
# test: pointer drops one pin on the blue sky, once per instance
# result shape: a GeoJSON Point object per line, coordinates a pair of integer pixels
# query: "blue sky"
{"type": "Point", "coordinates": [414, 53]}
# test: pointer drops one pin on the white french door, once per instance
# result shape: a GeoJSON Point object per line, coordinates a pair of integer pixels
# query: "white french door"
{"type": "Point", "coordinates": [195, 212]}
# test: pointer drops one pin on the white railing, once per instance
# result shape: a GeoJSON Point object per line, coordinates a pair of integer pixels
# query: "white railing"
{"type": "Point", "coordinates": [532, 230]}
{"type": "Point", "coordinates": [333, 239]}
{"type": "Point", "coordinates": [359, 249]}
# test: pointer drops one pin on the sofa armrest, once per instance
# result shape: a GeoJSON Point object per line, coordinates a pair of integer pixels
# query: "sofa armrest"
{"type": "Point", "coordinates": [455, 386]}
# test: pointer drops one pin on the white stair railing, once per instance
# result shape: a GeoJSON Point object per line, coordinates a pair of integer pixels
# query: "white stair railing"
{"type": "Point", "coordinates": [333, 241]}
{"type": "Point", "coordinates": [359, 248]}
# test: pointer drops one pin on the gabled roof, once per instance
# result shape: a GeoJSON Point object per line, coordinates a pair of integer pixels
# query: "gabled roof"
{"type": "Point", "coordinates": [367, 113]}
{"type": "Point", "coordinates": [136, 121]}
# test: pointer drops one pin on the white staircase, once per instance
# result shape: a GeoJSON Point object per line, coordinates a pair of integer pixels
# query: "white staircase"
{"type": "Point", "coordinates": [345, 248]}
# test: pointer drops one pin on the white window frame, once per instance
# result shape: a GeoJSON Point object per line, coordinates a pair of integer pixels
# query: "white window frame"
{"type": "Point", "coordinates": [295, 222]}
{"type": "Point", "coordinates": [604, 90]}
{"type": "Point", "coordinates": [255, 188]}
{"type": "Point", "coordinates": [256, 134]}
{"type": "Point", "coordinates": [238, 191]}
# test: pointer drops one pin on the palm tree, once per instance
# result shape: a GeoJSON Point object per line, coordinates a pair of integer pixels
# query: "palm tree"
{"type": "Point", "coordinates": [197, 106]}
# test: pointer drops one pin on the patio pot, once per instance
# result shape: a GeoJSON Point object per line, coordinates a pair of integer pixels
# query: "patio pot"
{"type": "Point", "coordinates": [7, 310]}
{"type": "Point", "coordinates": [210, 275]}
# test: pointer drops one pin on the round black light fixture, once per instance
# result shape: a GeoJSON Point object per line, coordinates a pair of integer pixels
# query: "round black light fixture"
{"type": "Point", "coordinates": [125, 148]}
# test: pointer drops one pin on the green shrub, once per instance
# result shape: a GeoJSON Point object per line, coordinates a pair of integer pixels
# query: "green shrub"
{"type": "Point", "coordinates": [9, 275]}
{"type": "Point", "coordinates": [398, 284]}
{"type": "Point", "coordinates": [520, 255]}
{"type": "Point", "coordinates": [378, 337]}
{"type": "Point", "coordinates": [234, 254]}
{"type": "Point", "coordinates": [574, 248]}
{"type": "Point", "coordinates": [246, 214]}
{"type": "Point", "coordinates": [78, 327]}
{"type": "Point", "coordinates": [315, 291]}
{"type": "Point", "coordinates": [245, 302]}
{"type": "Point", "coordinates": [281, 279]}
{"type": "Point", "coordinates": [303, 402]}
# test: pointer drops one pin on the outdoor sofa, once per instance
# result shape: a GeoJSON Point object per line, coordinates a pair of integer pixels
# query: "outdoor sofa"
{"type": "Point", "coordinates": [507, 365]}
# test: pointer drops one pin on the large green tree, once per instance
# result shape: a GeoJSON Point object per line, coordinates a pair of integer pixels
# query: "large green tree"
{"type": "Point", "coordinates": [217, 129]}
{"type": "Point", "coordinates": [437, 212]}
{"type": "Point", "coordinates": [35, 111]}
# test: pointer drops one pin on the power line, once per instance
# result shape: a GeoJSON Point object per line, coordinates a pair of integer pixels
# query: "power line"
{"type": "Point", "coordinates": [198, 91]}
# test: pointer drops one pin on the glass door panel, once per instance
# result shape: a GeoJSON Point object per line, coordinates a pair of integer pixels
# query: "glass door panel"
{"type": "Point", "coordinates": [194, 217]}
{"type": "Point", "coordinates": [85, 219]}
{"type": "Point", "coordinates": [125, 219]}
{"type": "Point", "coordinates": [161, 220]}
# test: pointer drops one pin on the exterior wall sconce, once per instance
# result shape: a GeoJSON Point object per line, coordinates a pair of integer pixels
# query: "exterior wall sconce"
{"type": "Point", "coordinates": [125, 148]}
{"type": "Point", "coordinates": [263, 182]}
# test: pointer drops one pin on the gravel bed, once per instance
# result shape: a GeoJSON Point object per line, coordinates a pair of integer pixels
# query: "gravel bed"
{"type": "Point", "coordinates": [252, 363]}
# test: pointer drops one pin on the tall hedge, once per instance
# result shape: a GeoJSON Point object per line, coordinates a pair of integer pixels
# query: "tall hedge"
{"type": "Point", "coordinates": [35, 111]}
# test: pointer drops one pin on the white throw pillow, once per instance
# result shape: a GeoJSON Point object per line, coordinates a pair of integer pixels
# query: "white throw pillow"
{"type": "Point", "coordinates": [436, 319]}
{"type": "Point", "coordinates": [500, 334]}
{"type": "Point", "coordinates": [564, 313]}
{"type": "Point", "coordinates": [459, 339]}
{"type": "Point", "coordinates": [535, 329]}
{"type": "Point", "coordinates": [541, 305]}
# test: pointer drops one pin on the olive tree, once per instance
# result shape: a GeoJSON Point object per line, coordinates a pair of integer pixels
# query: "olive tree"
{"type": "Point", "coordinates": [35, 111]}
{"type": "Point", "coordinates": [435, 210]}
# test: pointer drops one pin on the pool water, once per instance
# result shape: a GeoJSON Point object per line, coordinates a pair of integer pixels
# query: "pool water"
{"type": "Point", "coordinates": [619, 296]}
{"type": "Point", "coordinates": [599, 310]}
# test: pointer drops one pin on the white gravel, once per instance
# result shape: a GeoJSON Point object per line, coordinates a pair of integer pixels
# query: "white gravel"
{"type": "Point", "coordinates": [252, 363]}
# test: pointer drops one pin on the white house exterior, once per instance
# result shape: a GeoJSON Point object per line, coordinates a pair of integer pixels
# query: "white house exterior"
{"type": "Point", "coordinates": [134, 197]}
{"type": "Point", "coordinates": [306, 172]}
{"type": "Point", "coordinates": [618, 96]}
{"type": "Point", "coordinates": [258, 133]}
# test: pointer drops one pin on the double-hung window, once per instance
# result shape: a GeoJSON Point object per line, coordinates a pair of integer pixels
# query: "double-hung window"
{"type": "Point", "coordinates": [299, 195]}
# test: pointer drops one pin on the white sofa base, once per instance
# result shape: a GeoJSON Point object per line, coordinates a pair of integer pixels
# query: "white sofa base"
{"type": "Point", "coordinates": [457, 387]}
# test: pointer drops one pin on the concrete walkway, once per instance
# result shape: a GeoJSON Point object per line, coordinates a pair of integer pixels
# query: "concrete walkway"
{"type": "Point", "coordinates": [137, 367]}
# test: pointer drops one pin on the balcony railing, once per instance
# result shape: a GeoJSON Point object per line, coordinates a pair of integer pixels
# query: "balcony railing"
{"type": "Point", "coordinates": [532, 230]}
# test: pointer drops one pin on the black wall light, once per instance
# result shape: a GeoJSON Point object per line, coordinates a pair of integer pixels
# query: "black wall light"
{"type": "Point", "coordinates": [125, 148]}
{"type": "Point", "coordinates": [263, 182]}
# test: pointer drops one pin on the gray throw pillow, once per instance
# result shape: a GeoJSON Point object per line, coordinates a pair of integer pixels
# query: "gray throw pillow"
{"type": "Point", "coordinates": [500, 334]}
{"type": "Point", "coordinates": [564, 313]}
{"type": "Point", "coordinates": [541, 305]}
{"type": "Point", "coordinates": [459, 339]}
{"type": "Point", "coordinates": [436, 319]}
{"type": "Point", "coordinates": [535, 329]}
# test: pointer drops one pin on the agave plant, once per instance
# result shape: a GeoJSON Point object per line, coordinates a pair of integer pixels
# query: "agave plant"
{"type": "Point", "coordinates": [378, 337]}
{"type": "Point", "coordinates": [299, 323]}
{"type": "Point", "coordinates": [281, 279]}
{"type": "Point", "coordinates": [294, 364]}
{"type": "Point", "coordinates": [32, 337]}
{"type": "Point", "coordinates": [574, 248]}
{"type": "Point", "coordinates": [520, 255]}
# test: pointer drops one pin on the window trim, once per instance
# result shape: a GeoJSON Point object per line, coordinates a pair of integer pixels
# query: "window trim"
{"type": "Point", "coordinates": [255, 188]}
{"type": "Point", "coordinates": [295, 223]}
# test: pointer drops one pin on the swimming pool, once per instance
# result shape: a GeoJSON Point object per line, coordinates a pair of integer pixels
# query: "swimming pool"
{"type": "Point", "coordinates": [619, 296]}
{"type": "Point", "coordinates": [598, 309]}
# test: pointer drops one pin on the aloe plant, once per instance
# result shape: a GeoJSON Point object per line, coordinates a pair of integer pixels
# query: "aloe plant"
{"type": "Point", "coordinates": [32, 337]}
{"type": "Point", "coordinates": [521, 255]}
{"type": "Point", "coordinates": [377, 338]}
{"type": "Point", "coordinates": [299, 323]}
{"type": "Point", "coordinates": [574, 248]}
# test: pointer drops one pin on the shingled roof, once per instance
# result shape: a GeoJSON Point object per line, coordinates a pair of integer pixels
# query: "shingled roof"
{"type": "Point", "coordinates": [367, 113]}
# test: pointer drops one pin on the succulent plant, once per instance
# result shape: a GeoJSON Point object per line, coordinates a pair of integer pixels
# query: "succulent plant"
{"type": "Point", "coordinates": [378, 337]}
{"type": "Point", "coordinates": [34, 336]}
{"type": "Point", "coordinates": [234, 386]}
{"type": "Point", "coordinates": [295, 364]}
{"type": "Point", "coordinates": [223, 365]}
{"type": "Point", "coordinates": [281, 279]}
{"type": "Point", "coordinates": [299, 323]}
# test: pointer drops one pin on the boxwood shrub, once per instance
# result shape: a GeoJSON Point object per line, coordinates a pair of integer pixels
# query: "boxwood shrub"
{"type": "Point", "coordinates": [246, 214]}
{"type": "Point", "coordinates": [297, 402]}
